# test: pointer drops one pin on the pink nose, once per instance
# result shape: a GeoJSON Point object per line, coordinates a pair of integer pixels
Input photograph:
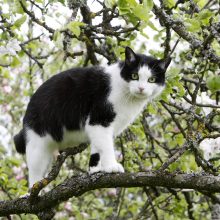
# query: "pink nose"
{"type": "Point", "coordinates": [141, 89]}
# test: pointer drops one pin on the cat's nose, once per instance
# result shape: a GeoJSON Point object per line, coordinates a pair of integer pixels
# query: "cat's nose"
{"type": "Point", "coordinates": [141, 89]}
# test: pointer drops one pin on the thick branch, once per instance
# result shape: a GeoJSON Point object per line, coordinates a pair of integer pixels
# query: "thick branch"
{"type": "Point", "coordinates": [77, 185]}
{"type": "Point", "coordinates": [85, 11]}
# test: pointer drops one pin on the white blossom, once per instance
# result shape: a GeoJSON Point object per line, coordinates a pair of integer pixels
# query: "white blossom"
{"type": "Point", "coordinates": [11, 47]}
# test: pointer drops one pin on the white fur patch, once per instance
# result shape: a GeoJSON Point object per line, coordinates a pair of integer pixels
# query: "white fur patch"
{"type": "Point", "coordinates": [40, 151]}
{"type": "Point", "coordinates": [39, 154]}
{"type": "Point", "coordinates": [73, 138]}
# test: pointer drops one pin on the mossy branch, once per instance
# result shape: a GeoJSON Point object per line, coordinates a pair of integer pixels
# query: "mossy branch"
{"type": "Point", "coordinates": [78, 185]}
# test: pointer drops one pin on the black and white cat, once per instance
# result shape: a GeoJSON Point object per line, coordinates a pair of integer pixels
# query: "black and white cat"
{"type": "Point", "coordinates": [91, 104]}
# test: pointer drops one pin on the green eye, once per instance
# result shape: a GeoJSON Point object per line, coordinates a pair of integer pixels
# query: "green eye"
{"type": "Point", "coordinates": [152, 79]}
{"type": "Point", "coordinates": [134, 76]}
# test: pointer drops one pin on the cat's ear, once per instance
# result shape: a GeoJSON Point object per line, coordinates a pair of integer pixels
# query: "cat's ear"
{"type": "Point", "coordinates": [164, 63]}
{"type": "Point", "coordinates": [130, 56]}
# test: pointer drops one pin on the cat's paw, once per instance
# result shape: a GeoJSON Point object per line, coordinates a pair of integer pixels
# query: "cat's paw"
{"type": "Point", "coordinates": [94, 169]}
{"type": "Point", "coordinates": [113, 168]}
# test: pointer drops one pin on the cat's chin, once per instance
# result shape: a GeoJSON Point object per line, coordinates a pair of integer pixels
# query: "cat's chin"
{"type": "Point", "coordinates": [140, 95]}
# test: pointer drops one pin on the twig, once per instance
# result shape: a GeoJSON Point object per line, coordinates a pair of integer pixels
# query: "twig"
{"type": "Point", "coordinates": [174, 118]}
{"type": "Point", "coordinates": [179, 27]}
{"type": "Point", "coordinates": [31, 56]}
{"type": "Point", "coordinates": [30, 40]}
{"type": "Point", "coordinates": [190, 205]}
{"type": "Point", "coordinates": [167, 42]}
{"type": "Point", "coordinates": [174, 47]}
{"type": "Point", "coordinates": [172, 159]}
{"type": "Point", "coordinates": [31, 14]}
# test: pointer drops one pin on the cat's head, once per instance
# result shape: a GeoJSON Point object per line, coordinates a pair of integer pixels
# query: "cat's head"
{"type": "Point", "coordinates": [145, 75]}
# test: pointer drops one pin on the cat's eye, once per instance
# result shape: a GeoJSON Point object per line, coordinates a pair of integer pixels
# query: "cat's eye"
{"type": "Point", "coordinates": [134, 76]}
{"type": "Point", "coordinates": [152, 79]}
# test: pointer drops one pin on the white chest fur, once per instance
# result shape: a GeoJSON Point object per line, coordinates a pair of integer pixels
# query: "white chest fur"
{"type": "Point", "coordinates": [126, 112]}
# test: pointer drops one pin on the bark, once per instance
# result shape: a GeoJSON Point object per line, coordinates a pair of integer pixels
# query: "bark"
{"type": "Point", "coordinates": [77, 185]}
{"type": "Point", "coordinates": [216, 212]}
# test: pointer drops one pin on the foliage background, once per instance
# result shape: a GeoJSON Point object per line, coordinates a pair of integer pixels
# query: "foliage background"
{"type": "Point", "coordinates": [41, 38]}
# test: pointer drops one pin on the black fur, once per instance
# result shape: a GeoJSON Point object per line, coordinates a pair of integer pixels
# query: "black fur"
{"type": "Point", "coordinates": [94, 160]}
{"type": "Point", "coordinates": [67, 99]}
{"type": "Point", "coordinates": [19, 141]}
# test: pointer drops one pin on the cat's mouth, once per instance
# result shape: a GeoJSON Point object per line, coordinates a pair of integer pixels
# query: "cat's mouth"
{"type": "Point", "coordinates": [140, 95]}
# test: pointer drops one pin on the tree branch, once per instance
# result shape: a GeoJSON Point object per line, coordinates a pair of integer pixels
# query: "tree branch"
{"type": "Point", "coordinates": [179, 27]}
{"type": "Point", "coordinates": [78, 185]}
{"type": "Point", "coordinates": [33, 17]}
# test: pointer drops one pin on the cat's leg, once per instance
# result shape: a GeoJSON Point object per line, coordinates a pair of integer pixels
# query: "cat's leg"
{"type": "Point", "coordinates": [39, 156]}
{"type": "Point", "coordinates": [94, 162]}
{"type": "Point", "coordinates": [102, 148]}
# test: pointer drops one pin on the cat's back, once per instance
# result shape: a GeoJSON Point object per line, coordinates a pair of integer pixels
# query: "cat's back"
{"type": "Point", "coordinates": [66, 99]}
{"type": "Point", "coordinates": [77, 82]}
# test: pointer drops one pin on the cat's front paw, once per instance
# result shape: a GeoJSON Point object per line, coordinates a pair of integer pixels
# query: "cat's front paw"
{"type": "Point", "coordinates": [113, 168]}
{"type": "Point", "coordinates": [95, 169]}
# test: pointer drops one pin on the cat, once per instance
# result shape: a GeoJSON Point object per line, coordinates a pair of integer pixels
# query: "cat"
{"type": "Point", "coordinates": [89, 104]}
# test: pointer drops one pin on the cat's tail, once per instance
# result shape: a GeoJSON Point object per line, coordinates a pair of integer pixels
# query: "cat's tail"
{"type": "Point", "coordinates": [19, 141]}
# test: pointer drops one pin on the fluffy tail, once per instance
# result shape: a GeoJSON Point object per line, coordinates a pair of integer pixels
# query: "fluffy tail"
{"type": "Point", "coordinates": [19, 141]}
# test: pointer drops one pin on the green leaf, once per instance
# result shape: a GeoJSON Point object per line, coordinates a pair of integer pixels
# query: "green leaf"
{"type": "Point", "coordinates": [20, 21]}
{"type": "Point", "coordinates": [213, 83]}
{"type": "Point", "coordinates": [152, 26]}
{"type": "Point", "coordinates": [74, 26]}
{"type": "Point", "coordinates": [201, 3]}
{"type": "Point", "coordinates": [151, 109]}
{"type": "Point", "coordinates": [166, 92]}
{"type": "Point", "coordinates": [62, 1]}
{"type": "Point", "coordinates": [179, 139]}
{"type": "Point", "coordinates": [132, 3]}
{"type": "Point", "coordinates": [192, 25]}
{"type": "Point", "coordinates": [15, 62]}
{"type": "Point", "coordinates": [170, 3]}
{"type": "Point", "coordinates": [56, 35]}
{"type": "Point", "coordinates": [6, 74]}
{"type": "Point", "coordinates": [124, 7]}
{"type": "Point", "coordinates": [3, 178]}
{"type": "Point", "coordinates": [17, 7]}
{"type": "Point", "coordinates": [204, 16]}
{"type": "Point", "coordinates": [14, 161]}
{"type": "Point", "coordinates": [141, 12]}
{"type": "Point", "coordinates": [180, 87]}
{"type": "Point", "coordinates": [6, 15]}
{"type": "Point", "coordinates": [148, 4]}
